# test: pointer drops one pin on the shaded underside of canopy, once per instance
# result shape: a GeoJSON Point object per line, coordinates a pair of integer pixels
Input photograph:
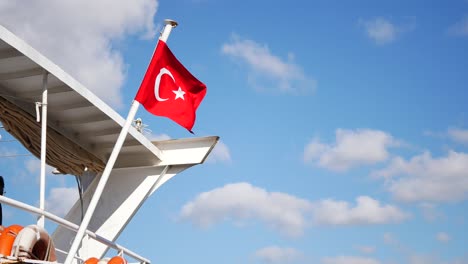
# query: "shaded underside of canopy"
{"type": "Point", "coordinates": [63, 154]}
{"type": "Point", "coordinates": [83, 129]}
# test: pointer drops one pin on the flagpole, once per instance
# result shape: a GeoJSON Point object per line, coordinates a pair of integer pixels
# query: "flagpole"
{"type": "Point", "coordinates": [169, 24]}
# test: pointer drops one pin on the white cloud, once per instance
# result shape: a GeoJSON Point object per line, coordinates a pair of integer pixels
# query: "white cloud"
{"type": "Point", "coordinates": [380, 30]}
{"type": "Point", "coordinates": [33, 166]}
{"type": "Point", "coordinates": [413, 257]}
{"type": "Point", "coordinates": [349, 260]}
{"type": "Point", "coordinates": [443, 237]}
{"type": "Point", "coordinates": [60, 200]}
{"type": "Point", "coordinates": [241, 201]}
{"type": "Point", "coordinates": [275, 254]}
{"type": "Point", "coordinates": [8, 151]}
{"type": "Point", "coordinates": [422, 259]}
{"type": "Point", "coordinates": [352, 148]}
{"type": "Point", "coordinates": [220, 153]}
{"type": "Point", "coordinates": [428, 179]}
{"type": "Point", "coordinates": [460, 28]}
{"type": "Point", "coordinates": [433, 258]}
{"type": "Point", "coordinates": [458, 135]}
{"type": "Point", "coordinates": [390, 239]}
{"type": "Point", "coordinates": [267, 71]}
{"type": "Point", "coordinates": [430, 212]}
{"type": "Point", "coordinates": [287, 214]}
{"type": "Point", "coordinates": [366, 249]}
{"type": "Point", "coordinates": [79, 36]}
{"type": "Point", "coordinates": [366, 211]}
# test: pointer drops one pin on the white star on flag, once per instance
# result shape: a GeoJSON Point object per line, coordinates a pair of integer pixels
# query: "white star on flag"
{"type": "Point", "coordinates": [179, 94]}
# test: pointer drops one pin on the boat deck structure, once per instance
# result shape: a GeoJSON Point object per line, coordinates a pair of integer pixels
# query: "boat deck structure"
{"type": "Point", "coordinates": [67, 127]}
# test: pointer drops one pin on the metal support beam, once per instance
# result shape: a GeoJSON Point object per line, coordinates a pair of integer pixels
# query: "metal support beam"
{"type": "Point", "coordinates": [40, 220]}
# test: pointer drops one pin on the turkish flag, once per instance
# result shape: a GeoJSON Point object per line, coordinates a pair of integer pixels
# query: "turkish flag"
{"type": "Point", "coordinates": [169, 89]}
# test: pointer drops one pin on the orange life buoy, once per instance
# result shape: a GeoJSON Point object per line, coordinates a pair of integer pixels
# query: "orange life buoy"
{"type": "Point", "coordinates": [33, 242]}
{"type": "Point", "coordinates": [117, 260]}
{"type": "Point", "coordinates": [92, 260]}
{"type": "Point", "coordinates": [7, 238]}
{"type": "Point", "coordinates": [114, 260]}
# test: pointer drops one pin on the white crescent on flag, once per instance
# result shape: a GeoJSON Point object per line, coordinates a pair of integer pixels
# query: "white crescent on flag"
{"type": "Point", "coordinates": [158, 81]}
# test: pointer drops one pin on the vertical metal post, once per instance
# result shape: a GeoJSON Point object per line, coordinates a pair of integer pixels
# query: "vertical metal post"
{"type": "Point", "coordinates": [41, 219]}
{"type": "Point", "coordinates": [110, 164]}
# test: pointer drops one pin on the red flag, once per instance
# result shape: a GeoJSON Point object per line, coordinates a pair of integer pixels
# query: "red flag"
{"type": "Point", "coordinates": [169, 89]}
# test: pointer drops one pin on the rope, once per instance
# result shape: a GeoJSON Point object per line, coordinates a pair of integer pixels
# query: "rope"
{"type": "Point", "coordinates": [62, 153]}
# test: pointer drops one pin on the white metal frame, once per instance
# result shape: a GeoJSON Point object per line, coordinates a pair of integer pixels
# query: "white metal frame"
{"type": "Point", "coordinates": [40, 220]}
{"type": "Point", "coordinates": [71, 226]}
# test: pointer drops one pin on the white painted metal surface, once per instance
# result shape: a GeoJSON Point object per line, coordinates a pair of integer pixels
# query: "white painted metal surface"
{"type": "Point", "coordinates": [121, 198]}
{"type": "Point", "coordinates": [41, 220]}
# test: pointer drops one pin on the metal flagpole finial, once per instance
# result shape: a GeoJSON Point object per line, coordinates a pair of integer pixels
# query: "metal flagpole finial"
{"type": "Point", "coordinates": [171, 22]}
{"type": "Point", "coordinates": [169, 25]}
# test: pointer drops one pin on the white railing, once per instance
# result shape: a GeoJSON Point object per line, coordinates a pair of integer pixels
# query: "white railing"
{"type": "Point", "coordinates": [72, 226]}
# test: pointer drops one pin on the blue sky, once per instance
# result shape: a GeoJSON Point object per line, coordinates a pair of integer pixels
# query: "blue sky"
{"type": "Point", "coordinates": [343, 125]}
